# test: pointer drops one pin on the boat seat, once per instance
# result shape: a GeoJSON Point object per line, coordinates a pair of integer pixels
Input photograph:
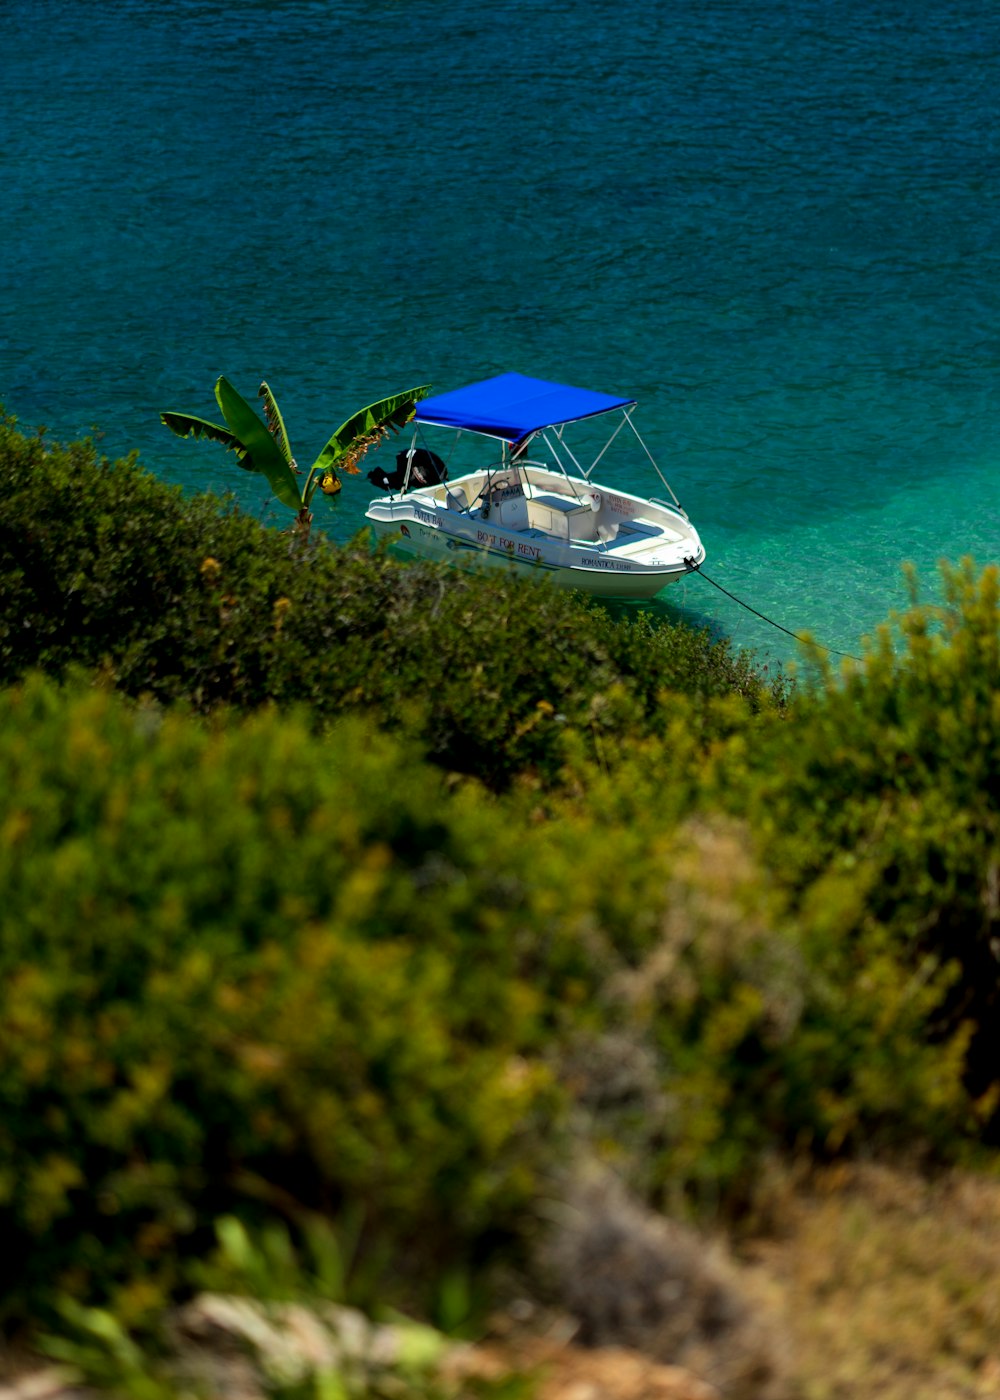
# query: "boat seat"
{"type": "Point", "coordinates": [456, 498]}
{"type": "Point", "coordinates": [638, 527]}
{"type": "Point", "coordinates": [563, 517]}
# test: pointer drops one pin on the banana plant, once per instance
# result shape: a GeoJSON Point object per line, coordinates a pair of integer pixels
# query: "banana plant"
{"type": "Point", "coordinates": [261, 444]}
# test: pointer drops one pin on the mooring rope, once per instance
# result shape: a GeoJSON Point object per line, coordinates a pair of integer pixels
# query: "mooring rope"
{"type": "Point", "coordinates": [697, 569]}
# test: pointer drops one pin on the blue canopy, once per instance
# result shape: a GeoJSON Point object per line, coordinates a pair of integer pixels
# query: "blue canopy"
{"type": "Point", "coordinates": [512, 406]}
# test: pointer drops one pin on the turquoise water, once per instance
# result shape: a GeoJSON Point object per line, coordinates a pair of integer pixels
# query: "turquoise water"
{"type": "Point", "coordinates": [776, 226]}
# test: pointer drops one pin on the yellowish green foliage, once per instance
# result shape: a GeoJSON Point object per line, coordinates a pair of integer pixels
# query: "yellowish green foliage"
{"type": "Point", "coordinates": [243, 968]}
{"type": "Point", "coordinates": [229, 965]}
{"type": "Point", "coordinates": [279, 959]}
{"type": "Point", "coordinates": [885, 781]}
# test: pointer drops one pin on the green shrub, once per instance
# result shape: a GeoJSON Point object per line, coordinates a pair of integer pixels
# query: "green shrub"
{"type": "Point", "coordinates": [711, 1026]}
{"type": "Point", "coordinates": [228, 971]}
{"type": "Point", "coordinates": [257, 956]}
{"type": "Point", "coordinates": [888, 777]}
{"type": "Point", "coordinates": [103, 566]}
{"type": "Point", "coordinates": [245, 968]}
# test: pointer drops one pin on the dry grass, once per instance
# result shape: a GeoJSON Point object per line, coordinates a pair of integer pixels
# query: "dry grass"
{"type": "Point", "coordinates": [858, 1282]}
{"type": "Point", "coordinates": [888, 1285]}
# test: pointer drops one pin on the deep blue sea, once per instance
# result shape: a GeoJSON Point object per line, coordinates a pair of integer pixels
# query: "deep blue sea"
{"type": "Point", "coordinates": [776, 225]}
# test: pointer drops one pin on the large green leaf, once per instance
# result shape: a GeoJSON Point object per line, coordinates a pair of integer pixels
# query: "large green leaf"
{"type": "Point", "coordinates": [267, 456]}
{"type": "Point", "coordinates": [275, 422]}
{"type": "Point", "coordinates": [187, 425]}
{"type": "Point", "coordinates": [393, 412]}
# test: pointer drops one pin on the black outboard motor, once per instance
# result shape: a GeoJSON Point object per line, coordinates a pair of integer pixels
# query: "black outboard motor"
{"type": "Point", "coordinates": [427, 470]}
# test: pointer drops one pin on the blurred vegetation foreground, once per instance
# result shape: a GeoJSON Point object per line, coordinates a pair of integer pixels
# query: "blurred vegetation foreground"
{"type": "Point", "coordinates": [434, 924]}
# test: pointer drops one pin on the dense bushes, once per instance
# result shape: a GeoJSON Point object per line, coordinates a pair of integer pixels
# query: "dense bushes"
{"type": "Point", "coordinates": [102, 565]}
{"type": "Point", "coordinates": [232, 965]}
{"type": "Point", "coordinates": [873, 804]}
{"type": "Point", "coordinates": [243, 968]}
{"type": "Point", "coordinates": [889, 779]}
{"type": "Point", "coordinates": [261, 957]}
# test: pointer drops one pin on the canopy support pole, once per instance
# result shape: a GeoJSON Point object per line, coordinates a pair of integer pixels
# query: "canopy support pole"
{"type": "Point", "coordinates": [573, 485]}
{"type": "Point", "coordinates": [625, 419]}
{"type": "Point", "coordinates": [628, 420]}
{"type": "Point", "coordinates": [411, 451]}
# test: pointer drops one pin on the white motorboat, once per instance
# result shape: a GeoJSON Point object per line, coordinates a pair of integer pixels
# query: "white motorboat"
{"type": "Point", "coordinates": [530, 504]}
